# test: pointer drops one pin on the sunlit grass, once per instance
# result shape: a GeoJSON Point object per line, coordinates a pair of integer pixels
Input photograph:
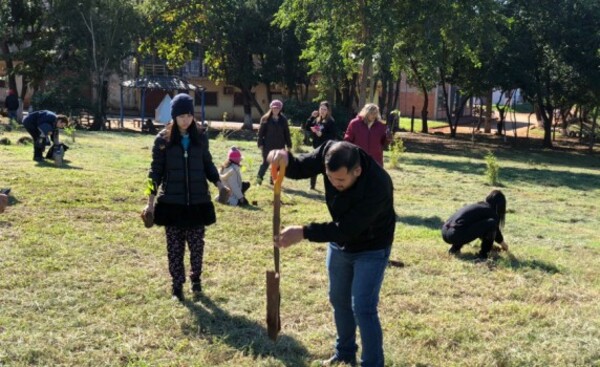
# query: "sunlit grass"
{"type": "Point", "coordinates": [84, 283]}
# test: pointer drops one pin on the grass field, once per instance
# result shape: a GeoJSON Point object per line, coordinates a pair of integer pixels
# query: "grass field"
{"type": "Point", "coordinates": [83, 283]}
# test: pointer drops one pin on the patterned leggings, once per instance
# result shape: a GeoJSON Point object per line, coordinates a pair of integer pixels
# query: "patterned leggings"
{"type": "Point", "coordinates": [176, 238]}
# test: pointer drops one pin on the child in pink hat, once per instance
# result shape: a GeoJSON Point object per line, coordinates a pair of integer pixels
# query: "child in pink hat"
{"type": "Point", "coordinates": [231, 176]}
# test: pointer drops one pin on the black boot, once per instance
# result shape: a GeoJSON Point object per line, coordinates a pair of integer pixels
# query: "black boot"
{"type": "Point", "coordinates": [178, 292]}
{"type": "Point", "coordinates": [455, 249]}
{"type": "Point", "coordinates": [197, 287]}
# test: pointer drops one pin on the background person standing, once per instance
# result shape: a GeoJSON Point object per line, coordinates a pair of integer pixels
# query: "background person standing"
{"type": "Point", "coordinates": [273, 133]}
{"type": "Point", "coordinates": [321, 127]}
{"type": "Point", "coordinates": [369, 132]}
{"type": "Point", "coordinates": [12, 105]}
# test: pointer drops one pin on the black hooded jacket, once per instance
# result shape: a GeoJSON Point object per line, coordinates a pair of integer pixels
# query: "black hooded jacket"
{"type": "Point", "coordinates": [363, 216]}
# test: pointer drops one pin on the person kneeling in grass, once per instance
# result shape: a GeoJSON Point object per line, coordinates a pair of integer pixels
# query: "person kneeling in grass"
{"type": "Point", "coordinates": [480, 220]}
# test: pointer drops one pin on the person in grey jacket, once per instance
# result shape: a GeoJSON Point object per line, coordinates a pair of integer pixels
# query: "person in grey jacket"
{"type": "Point", "coordinates": [273, 133]}
{"type": "Point", "coordinates": [178, 193]}
{"type": "Point", "coordinates": [360, 197]}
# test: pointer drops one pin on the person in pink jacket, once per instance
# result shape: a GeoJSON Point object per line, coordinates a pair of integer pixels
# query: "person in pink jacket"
{"type": "Point", "coordinates": [231, 176]}
{"type": "Point", "coordinates": [368, 132]}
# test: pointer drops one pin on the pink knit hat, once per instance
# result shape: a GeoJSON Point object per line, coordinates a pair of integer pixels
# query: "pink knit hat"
{"type": "Point", "coordinates": [234, 155]}
{"type": "Point", "coordinates": [276, 103]}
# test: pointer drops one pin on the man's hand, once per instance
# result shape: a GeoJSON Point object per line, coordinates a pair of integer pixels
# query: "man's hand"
{"type": "Point", "coordinates": [279, 157]}
{"type": "Point", "coordinates": [289, 236]}
{"type": "Point", "coordinates": [504, 246]}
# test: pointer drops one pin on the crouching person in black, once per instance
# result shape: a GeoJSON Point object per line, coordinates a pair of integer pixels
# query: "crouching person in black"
{"type": "Point", "coordinates": [43, 127]}
{"type": "Point", "coordinates": [480, 220]}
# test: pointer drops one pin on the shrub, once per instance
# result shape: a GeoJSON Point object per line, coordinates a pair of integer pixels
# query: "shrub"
{"type": "Point", "coordinates": [297, 140]}
{"type": "Point", "coordinates": [70, 131]}
{"type": "Point", "coordinates": [223, 135]}
{"type": "Point", "coordinates": [397, 148]}
{"type": "Point", "coordinates": [492, 170]}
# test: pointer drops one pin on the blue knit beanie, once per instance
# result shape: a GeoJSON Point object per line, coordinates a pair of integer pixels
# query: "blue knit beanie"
{"type": "Point", "coordinates": [182, 104]}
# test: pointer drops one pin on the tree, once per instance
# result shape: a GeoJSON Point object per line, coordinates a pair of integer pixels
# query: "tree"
{"type": "Point", "coordinates": [102, 33]}
{"type": "Point", "coordinates": [557, 55]}
{"type": "Point", "coordinates": [26, 41]}
{"type": "Point", "coordinates": [470, 37]}
{"type": "Point", "coordinates": [241, 47]}
{"type": "Point", "coordinates": [347, 43]}
{"type": "Point", "coordinates": [419, 44]}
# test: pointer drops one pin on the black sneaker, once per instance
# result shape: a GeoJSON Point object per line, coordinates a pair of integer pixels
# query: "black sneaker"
{"type": "Point", "coordinates": [337, 361]}
{"type": "Point", "coordinates": [178, 293]}
{"type": "Point", "coordinates": [454, 250]}
{"type": "Point", "coordinates": [197, 287]}
{"type": "Point", "coordinates": [482, 256]}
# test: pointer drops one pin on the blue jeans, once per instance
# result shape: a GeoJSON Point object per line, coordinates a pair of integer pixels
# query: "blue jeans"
{"type": "Point", "coordinates": [12, 115]}
{"type": "Point", "coordinates": [354, 283]}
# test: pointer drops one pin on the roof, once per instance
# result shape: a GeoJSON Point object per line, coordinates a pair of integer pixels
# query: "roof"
{"type": "Point", "coordinates": [165, 82]}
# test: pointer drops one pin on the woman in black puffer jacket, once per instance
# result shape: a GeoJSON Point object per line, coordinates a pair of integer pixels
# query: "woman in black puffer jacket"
{"type": "Point", "coordinates": [178, 181]}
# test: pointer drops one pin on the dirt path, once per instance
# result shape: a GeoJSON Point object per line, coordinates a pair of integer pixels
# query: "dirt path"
{"type": "Point", "coordinates": [518, 121]}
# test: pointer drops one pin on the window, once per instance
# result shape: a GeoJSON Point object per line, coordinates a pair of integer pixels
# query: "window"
{"type": "Point", "coordinates": [238, 98]}
{"type": "Point", "coordinates": [210, 99]}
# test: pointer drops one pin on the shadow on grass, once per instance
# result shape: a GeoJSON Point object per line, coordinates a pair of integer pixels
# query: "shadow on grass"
{"type": "Point", "coordinates": [312, 194]}
{"type": "Point", "coordinates": [242, 334]}
{"type": "Point", "coordinates": [523, 150]}
{"type": "Point", "coordinates": [510, 262]}
{"type": "Point", "coordinates": [49, 163]}
{"type": "Point", "coordinates": [544, 177]}
{"type": "Point", "coordinates": [515, 264]}
{"type": "Point", "coordinates": [429, 222]}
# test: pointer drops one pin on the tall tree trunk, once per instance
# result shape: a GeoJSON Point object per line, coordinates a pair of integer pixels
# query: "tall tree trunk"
{"type": "Point", "coordinates": [389, 95]}
{"type": "Point", "coordinates": [487, 127]}
{"type": "Point", "coordinates": [364, 81]}
{"type": "Point", "coordinates": [502, 110]}
{"type": "Point", "coordinates": [396, 93]}
{"type": "Point", "coordinates": [425, 109]}
{"type": "Point", "coordinates": [446, 104]}
{"type": "Point", "coordinates": [246, 98]}
{"type": "Point", "coordinates": [546, 115]}
{"type": "Point", "coordinates": [594, 125]}
{"type": "Point", "coordinates": [12, 80]}
{"type": "Point", "coordinates": [421, 83]}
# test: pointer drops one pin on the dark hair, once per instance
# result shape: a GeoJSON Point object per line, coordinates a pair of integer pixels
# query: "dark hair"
{"type": "Point", "coordinates": [173, 136]}
{"type": "Point", "coordinates": [319, 119]}
{"type": "Point", "coordinates": [342, 154]}
{"type": "Point", "coordinates": [62, 118]}
{"type": "Point", "coordinates": [497, 201]}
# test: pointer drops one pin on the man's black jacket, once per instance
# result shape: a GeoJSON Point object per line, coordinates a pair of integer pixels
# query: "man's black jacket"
{"type": "Point", "coordinates": [363, 216]}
